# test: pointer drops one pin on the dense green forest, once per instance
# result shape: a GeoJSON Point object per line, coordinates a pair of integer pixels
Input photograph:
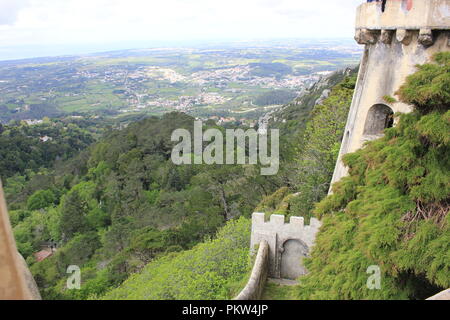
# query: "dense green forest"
{"type": "Point", "coordinates": [28, 148]}
{"type": "Point", "coordinates": [219, 268]}
{"type": "Point", "coordinates": [30, 151]}
{"type": "Point", "coordinates": [142, 228]}
{"type": "Point", "coordinates": [121, 203]}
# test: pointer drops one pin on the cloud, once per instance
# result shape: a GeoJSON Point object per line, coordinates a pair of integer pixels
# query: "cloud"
{"type": "Point", "coordinates": [70, 22]}
{"type": "Point", "coordinates": [9, 10]}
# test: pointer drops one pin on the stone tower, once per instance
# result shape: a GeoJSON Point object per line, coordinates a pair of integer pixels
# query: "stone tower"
{"type": "Point", "coordinates": [397, 36]}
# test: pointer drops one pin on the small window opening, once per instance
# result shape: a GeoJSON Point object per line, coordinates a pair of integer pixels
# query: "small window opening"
{"type": "Point", "coordinates": [379, 117]}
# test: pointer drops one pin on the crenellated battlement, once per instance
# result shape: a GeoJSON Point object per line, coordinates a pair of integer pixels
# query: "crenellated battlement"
{"type": "Point", "coordinates": [295, 227]}
{"type": "Point", "coordinates": [288, 242]}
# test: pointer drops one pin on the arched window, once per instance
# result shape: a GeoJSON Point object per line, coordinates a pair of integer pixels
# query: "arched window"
{"type": "Point", "coordinates": [379, 117]}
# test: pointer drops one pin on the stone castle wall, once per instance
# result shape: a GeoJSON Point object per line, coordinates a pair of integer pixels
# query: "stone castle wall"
{"type": "Point", "coordinates": [286, 241]}
{"type": "Point", "coordinates": [255, 285]}
{"type": "Point", "coordinates": [395, 40]}
{"type": "Point", "coordinates": [16, 282]}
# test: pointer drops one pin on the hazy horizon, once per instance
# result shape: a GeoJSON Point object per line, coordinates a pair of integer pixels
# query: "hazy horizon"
{"type": "Point", "coordinates": [36, 52]}
{"type": "Point", "coordinates": [42, 28]}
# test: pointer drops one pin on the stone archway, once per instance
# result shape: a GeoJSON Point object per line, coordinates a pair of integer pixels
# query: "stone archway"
{"type": "Point", "coordinates": [292, 254]}
{"type": "Point", "coordinates": [379, 117]}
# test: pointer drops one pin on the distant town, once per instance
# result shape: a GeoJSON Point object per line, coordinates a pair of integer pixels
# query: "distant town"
{"type": "Point", "coordinates": [226, 84]}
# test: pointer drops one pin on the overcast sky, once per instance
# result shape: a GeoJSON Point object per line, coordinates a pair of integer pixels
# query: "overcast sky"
{"type": "Point", "coordinates": [53, 23]}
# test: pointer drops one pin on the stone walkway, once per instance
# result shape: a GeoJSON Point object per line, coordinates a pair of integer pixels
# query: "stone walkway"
{"type": "Point", "coordinates": [283, 282]}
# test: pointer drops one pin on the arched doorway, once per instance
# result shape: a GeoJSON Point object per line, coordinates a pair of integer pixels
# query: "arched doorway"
{"type": "Point", "coordinates": [292, 259]}
{"type": "Point", "coordinates": [379, 117]}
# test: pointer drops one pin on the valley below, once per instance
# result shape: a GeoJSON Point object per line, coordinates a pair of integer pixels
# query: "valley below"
{"type": "Point", "coordinates": [224, 82]}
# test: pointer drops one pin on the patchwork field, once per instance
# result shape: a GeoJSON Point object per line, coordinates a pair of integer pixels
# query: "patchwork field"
{"type": "Point", "coordinates": [233, 81]}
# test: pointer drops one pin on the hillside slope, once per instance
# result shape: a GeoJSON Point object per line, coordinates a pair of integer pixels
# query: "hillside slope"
{"type": "Point", "coordinates": [214, 269]}
{"type": "Point", "coordinates": [291, 119]}
{"type": "Point", "coordinates": [217, 269]}
{"type": "Point", "coordinates": [310, 144]}
{"type": "Point", "coordinates": [391, 213]}
{"type": "Point", "coordinates": [122, 203]}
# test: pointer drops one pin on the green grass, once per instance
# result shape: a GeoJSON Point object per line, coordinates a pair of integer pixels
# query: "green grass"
{"type": "Point", "coordinates": [275, 291]}
{"type": "Point", "coordinates": [214, 269]}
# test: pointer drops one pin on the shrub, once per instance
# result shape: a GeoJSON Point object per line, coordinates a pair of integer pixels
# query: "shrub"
{"type": "Point", "coordinates": [392, 209]}
{"type": "Point", "coordinates": [208, 271]}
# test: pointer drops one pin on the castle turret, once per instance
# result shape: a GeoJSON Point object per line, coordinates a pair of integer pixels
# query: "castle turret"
{"type": "Point", "coordinates": [398, 35]}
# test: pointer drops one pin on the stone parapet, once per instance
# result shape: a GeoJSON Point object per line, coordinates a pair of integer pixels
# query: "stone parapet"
{"type": "Point", "coordinates": [404, 14]}
{"type": "Point", "coordinates": [255, 285]}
